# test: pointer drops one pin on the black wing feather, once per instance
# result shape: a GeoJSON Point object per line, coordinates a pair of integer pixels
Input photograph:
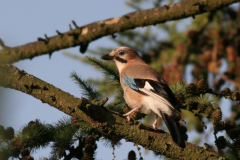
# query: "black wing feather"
{"type": "Point", "coordinates": [161, 89]}
{"type": "Point", "coordinates": [140, 82]}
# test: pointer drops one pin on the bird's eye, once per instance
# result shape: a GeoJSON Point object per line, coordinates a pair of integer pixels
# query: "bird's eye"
{"type": "Point", "coordinates": [121, 53]}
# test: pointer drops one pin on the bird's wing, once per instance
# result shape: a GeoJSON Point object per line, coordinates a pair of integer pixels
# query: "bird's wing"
{"type": "Point", "coordinates": [156, 89]}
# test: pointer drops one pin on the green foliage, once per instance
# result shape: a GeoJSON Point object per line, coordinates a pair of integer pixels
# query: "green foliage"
{"type": "Point", "coordinates": [2, 130]}
{"type": "Point", "coordinates": [5, 153]}
{"type": "Point", "coordinates": [36, 134]}
{"type": "Point", "coordinates": [104, 86]}
{"type": "Point", "coordinates": [110, 75]}
{"type": "Point", "coordinates": [84, 130]}
{"type": "Point", "coordinates": [231, 152]}
{"type": "Point", "coordinates": [64, 133]}
{"type": "Point", "coordinates": [9, 133]}
{"type": "Point", "coordinates": [6, 134]}
{"type": "Point", "coordinates": [69, 134]}
{"type": "Point", "coordinates": [206, 98]}
{"type": "Point", "coordinates": [87, 88]}
{"type": "Point", "coordinates": [110, 71]}
{"type": "Point", "coordinates": [179, 87]}
{"type": "Point", "coordinates": [63, 139]}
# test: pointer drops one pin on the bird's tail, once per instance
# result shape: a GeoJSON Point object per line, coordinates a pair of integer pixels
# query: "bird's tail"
{"type": "Point", "coordinates": [174, 130]}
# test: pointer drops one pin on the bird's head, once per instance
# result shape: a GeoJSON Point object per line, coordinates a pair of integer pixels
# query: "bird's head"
{"type": "Point", "coordinates": [122, 56]}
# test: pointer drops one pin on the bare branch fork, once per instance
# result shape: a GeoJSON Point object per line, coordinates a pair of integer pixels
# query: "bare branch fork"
{"type": "Point", "coordinates": [93, 113]}
{"type": "Point", "coordinates": [85, 34]}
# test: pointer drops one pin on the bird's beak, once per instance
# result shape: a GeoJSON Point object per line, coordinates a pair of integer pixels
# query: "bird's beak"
{"type": "Point", "coordinates": [107, 57]}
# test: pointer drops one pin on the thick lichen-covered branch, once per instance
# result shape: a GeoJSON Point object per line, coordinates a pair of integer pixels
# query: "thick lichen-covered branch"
{"type": "Point", "coordinates": [108, 123]}
{"type": "Point", "coordinates": [85, 34]}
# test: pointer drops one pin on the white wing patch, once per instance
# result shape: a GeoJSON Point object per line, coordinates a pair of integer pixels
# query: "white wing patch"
{"type": "Point", "coordinates": [147, 86]}
{"type": "Point", "coordinates": [147, 89]}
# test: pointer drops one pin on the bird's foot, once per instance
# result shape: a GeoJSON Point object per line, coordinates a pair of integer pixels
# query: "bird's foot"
{"type": "Point", "coordinates": [127, 116]}
{"type": "Point", "coordinates": [155, 124]}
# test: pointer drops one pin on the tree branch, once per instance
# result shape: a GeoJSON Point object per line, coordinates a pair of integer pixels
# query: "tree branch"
{"type": "Point", "coordinates": [85, 34]}
{"type": "Point", "coordinates": [108, 123]}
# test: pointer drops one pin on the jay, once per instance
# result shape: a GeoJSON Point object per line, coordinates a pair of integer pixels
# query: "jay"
{"type": "Point", "coordinates": [145, 90]}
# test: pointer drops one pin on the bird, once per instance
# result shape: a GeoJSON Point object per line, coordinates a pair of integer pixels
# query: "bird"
{"type": "Point", "coordinates": [145, 90]}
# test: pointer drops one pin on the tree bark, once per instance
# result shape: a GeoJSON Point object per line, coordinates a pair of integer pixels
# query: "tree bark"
{"type": "Point", "coordinates": [108, 123]}
{"type": "Point", "coordinates": [85, 34]}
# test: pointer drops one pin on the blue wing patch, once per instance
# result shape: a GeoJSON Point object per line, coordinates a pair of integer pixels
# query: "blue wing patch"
{"type": "Point", "coordinates": [130, 82]}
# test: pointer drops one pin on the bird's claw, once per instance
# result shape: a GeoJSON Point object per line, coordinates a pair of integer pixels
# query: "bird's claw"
{"type": "Point", "coordinates": [128, 117]}
{"type": "Point", "coordinates": [154, 125]}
